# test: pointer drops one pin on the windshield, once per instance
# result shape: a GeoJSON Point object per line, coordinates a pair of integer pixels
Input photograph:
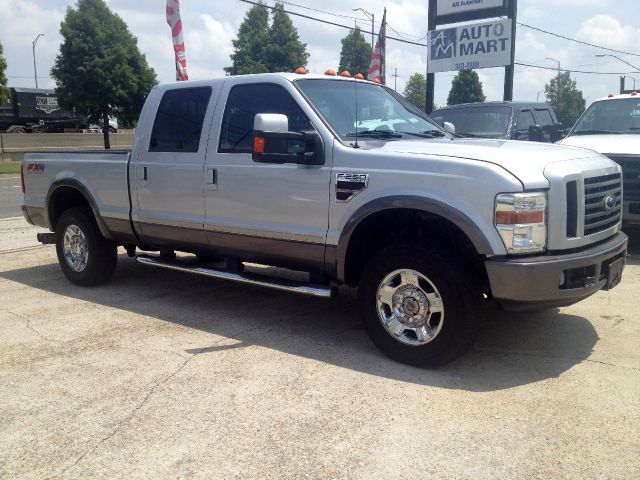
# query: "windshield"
{"type": "Point", "coordinates": [610, 116]}
{"type": "Point", "coordinates": [485, 122]}
{"type": "Point", "coordinates": [381, 112]}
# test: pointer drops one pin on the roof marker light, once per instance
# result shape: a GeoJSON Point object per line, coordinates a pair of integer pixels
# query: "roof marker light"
{"type": "Point", "coordinates": [330, 71]}
{"type": "Point", "coordinates": [610, 95]}
{"type": "Point", "coordinates": [359, 76]}
{"type": "Point", "coordinates": [345, 74]}
{"type": "Point", "coordinates": [301, 70]}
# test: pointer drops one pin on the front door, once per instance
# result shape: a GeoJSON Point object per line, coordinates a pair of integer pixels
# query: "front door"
{"type": "Point", "coordinates": [271, 213]}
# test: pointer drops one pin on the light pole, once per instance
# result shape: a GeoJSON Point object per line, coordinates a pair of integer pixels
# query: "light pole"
{"type": "Point", "coordinates": [372, 16]}
{"type": "Point", "coordinates": [600, 55]}
{"type": "Point", "coordinates": [35, 69]}
{"type": "Point", "coordinates": [632, 78]}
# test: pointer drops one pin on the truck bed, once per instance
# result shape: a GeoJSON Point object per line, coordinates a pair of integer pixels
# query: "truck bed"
{"type": "Point", "coordinates": [102, 176]}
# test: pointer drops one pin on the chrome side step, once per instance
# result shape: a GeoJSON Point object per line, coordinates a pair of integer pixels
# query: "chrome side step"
{"type": "Point", "coordinates": [244, 277]}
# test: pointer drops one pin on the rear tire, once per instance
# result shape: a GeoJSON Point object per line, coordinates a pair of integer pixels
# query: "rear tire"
{"type": "Point", "coordinates": [85, 256]}
{"type": "Point", "coordinates": [419, 306]}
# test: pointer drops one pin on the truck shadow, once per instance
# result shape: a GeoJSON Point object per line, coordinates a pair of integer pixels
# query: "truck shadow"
{"type": "Point", "coordinates": [634, 239]}
{"type": "Point", "coordinates": [512, 349]}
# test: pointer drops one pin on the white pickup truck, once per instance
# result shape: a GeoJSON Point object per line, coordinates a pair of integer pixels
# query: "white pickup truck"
{"type": "Point", "coordinates": [345, 180]}
{"type": "Point", "coordinates": [611, 126]}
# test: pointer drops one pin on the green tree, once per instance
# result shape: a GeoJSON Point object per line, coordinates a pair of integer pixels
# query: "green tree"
{"type": "Point", "coordinates": [566, 99]}
{"type": "Point", "coordinates": [416, 90]}
{"type": "Point", "coordinates": [100, 71]}
{"type": "Point", "coordinates": [262, 48]}
{"type": "Point", "coordinates": [249, 48]}
{"type": "Point", "coordinates": [285, 52]}
{"type": "Point", "coordinates": [4, 91]}
{"type": "Point", "coordinates": [355, 55]}
{"type": "Point", "coordinates": [466, 87]}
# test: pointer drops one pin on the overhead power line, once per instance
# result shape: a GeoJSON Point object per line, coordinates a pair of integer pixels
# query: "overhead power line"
{"type": "Point", "coordinates": [289, 12]}
{"type": "Point", "coordinates": [577, 41]}
{"type": "Point", "coordinates": [555, 69]}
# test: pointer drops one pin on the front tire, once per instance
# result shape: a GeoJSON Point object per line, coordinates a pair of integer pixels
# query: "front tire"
{"type": "Point", "coordinates": [85, 256]}
{"type": "Point", "coordinates": [420, 307]}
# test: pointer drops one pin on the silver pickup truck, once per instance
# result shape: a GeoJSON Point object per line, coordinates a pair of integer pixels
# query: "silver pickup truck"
{"type": "Point", "coordinates": [342, 179]}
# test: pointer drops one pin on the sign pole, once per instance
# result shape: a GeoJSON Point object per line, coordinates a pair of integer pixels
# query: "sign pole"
{"type": "Point", "coordinates": [509, 69]}
{"type": "Point", "coordinates": [431, 77]}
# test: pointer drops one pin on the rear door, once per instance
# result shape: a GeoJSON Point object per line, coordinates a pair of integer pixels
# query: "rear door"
{"type": "Point", "coordinates": [546, 121]}
{"type": "Point", "coordinates": [169, 167]}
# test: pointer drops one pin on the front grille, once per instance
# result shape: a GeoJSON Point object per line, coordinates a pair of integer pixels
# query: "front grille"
{"type": "Point", "coordinates": [630, 173]}
{"type": "Point", "coordinates": [602, 203]}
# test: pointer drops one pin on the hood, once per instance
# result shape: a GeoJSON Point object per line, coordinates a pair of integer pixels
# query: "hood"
{"type": "Point", "coordinates": [626, 143]}
{"type": "Point", "coordinates": [525, 160]}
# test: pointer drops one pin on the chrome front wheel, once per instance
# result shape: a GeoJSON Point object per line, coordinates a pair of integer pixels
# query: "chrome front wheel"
{"type": "Point", "coordinates": [410, 307]}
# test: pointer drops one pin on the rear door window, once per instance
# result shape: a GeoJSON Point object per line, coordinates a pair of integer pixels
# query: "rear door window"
{"type": "Point", "coordinates": [178, 123]}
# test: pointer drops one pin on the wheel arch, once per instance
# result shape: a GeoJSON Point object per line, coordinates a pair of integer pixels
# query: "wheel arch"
{"type": "Point", "coordinates": [425, 206]}
{"type": "Point", "coordinates": [69, 193]}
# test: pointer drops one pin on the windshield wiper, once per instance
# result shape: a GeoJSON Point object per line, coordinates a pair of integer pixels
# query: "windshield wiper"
{"type": "Point", "coordinates": [468, 135]}
{"type": "Point", "coordinates": [374, 133]}
{"type": "Point", "coordinates": [427, 133]}
{"type": "Point", "coordinates": [592, 132]}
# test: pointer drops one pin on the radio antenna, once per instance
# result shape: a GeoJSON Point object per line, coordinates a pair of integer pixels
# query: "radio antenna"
{"type": "Point", "coordinates": [355, 90]}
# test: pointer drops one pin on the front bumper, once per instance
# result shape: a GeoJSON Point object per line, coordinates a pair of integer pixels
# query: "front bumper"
{"type": "Point", "coordinates": [532, 283]}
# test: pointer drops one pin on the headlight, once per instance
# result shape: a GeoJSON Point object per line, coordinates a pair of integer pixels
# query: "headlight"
{"type": "Point", "coordinates": [521, 221]}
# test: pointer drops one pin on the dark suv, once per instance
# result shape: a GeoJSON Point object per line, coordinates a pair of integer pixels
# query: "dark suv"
{"type": "Point", "coordinates": [507, 120]}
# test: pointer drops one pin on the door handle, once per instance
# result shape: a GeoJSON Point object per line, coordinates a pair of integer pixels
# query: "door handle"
{"type": "Point", "coordinates": [142, 174]}
{"type": "Point", "coordinates": [212, 179]}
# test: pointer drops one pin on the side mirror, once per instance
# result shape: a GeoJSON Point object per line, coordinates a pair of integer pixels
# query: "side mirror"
{"type": "Point", "coordinates": [536, 134]}
{"type": "Point", "coordinates": [557, 133]}
{"type": "Point", "coordinates": [449, 128]}
{"type": "Point", "coordinates": [274, 143]}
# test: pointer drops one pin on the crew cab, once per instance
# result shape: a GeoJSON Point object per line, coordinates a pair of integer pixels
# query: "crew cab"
{"type": "Point", "coordinates": [611, 126]}
{"type": "Point", "coordinates": [347, 181]}
{"type": "Point", "coordinates": [530, 121]}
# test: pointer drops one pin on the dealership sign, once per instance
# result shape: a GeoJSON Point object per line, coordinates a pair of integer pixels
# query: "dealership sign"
{"type": "Point", "coordinates": [479, 45]}
{"type": "Point", "coordinates": [453, 7]}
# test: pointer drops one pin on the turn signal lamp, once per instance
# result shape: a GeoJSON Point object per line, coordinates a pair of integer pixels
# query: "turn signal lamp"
{"type": "Point", "coordinates": [520, 221]}
{"type": "Point", "coordinates": [359, 76]}
{"type": "Point", "coordinates": [301, 70]}
{"type": "Point", "coordinates": [345, 74]}
{"type": "Point", "coordinates": [330, 71]}
{"type": "Point", "coordinates": [258, 144]}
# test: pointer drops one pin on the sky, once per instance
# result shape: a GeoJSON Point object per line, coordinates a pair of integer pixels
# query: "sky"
{"type": "Point", "coordinates": [211, 25]}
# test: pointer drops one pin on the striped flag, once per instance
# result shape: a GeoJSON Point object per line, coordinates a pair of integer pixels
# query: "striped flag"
{"type": "Point", "coordinates": [377, 67]}
{"type": "Point", "coordinates": [174, 21]}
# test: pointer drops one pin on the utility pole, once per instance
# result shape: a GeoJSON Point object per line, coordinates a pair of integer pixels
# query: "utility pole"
{"type": "Point", "coordinates": [395, 79]}
{"type": "Point", "coordinates": [33, 46]}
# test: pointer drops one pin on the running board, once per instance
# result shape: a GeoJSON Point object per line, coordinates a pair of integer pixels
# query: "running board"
{"type": "Point", "coordinates": [244, 277]}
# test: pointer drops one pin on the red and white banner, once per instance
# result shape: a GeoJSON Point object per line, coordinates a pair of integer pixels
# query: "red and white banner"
{"type": "Point", "coordinates": [377, 67]}
{"type": "Point", "coordinates": [174, 21]}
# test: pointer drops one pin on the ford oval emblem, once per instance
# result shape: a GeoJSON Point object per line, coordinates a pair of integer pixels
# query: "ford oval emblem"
{"type": "Point", "coordinates": [610, 202]}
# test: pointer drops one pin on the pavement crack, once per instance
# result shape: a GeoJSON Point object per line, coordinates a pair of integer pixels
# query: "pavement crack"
{"type": "Point", "coordinates": [556, 357]}
{"type": "Point", "coordinates": [118, 428]}
{"type": "Point", "coordinates": [30, 327]}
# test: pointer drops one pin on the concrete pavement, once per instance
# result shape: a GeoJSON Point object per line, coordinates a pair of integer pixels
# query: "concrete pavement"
{"type": "Point", "coordinates": [166, 375]}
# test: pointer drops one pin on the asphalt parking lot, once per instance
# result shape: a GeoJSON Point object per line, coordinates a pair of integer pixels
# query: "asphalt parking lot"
{"type": "Point", "coordinates": [164, 375]}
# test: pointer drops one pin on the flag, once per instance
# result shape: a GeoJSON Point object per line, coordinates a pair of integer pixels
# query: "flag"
{"type": "Point", "coordinates": [377, 67]}
{"type": "Point", "coordinates": [174, 21]}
